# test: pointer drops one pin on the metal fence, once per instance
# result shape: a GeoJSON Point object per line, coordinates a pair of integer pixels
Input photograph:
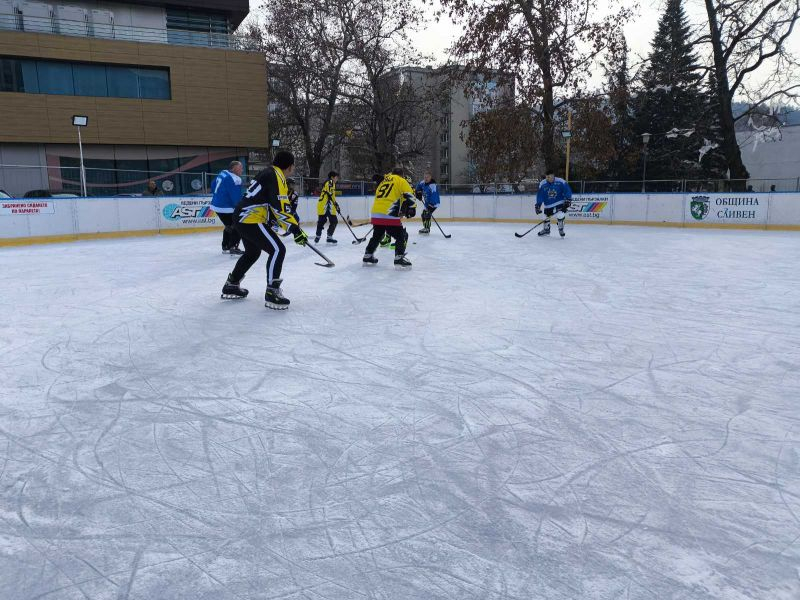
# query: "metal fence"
{"type": "Point", "coordinates": [41, 181]}
{"type": "Point", "coordinates": [100, 24]}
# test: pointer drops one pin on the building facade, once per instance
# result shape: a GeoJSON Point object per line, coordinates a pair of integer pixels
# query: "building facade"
{"type": "Point", "coordinates": [772, 156]}
{"type": "Point", "coordinates": [167, 95]}
{"type": "Point", "coordinates": [452, 107]}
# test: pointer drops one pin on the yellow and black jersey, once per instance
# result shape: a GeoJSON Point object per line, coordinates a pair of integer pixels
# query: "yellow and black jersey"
{"type": "Point", "coordinates": [267, 200]}
{"type": "Point", "coordinates": [389, 198]}
{"type": "Point", "coordinates": [326, 205]}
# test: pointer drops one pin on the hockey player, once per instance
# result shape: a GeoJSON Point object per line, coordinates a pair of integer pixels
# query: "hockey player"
{"type": "Point", "coordinates": [428, 192]}
{"type": "Point", "coordinates": [394, 199]}
{"type": "Point", "coordinates": [227, 191]}
{"type": "Point", "coordinates": [327, 208]}
{"type": "Point", "coordinates": [266, 201]}
{"type": "Point", "coordinates": [555, 195]}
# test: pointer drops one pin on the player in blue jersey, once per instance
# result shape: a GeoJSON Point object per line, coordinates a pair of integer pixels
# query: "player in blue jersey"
{"type": "Point", "coordinates": [427, 191]}
{"type": "Point", "coordinates": [227, 191]}
{"type": "Point", "coordinates": [555, 196]}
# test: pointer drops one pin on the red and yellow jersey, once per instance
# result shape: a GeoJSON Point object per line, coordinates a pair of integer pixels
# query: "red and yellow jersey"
{"type": "Point", "coordinates": [389, 198]}
{"type": "Point", "coordinates": [326, 205]}
{"type": "Point", "coordinates": [267, 199]}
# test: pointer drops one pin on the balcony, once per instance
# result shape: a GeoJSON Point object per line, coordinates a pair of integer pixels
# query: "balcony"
{"type": "Point", "coordinates": [100, 24]}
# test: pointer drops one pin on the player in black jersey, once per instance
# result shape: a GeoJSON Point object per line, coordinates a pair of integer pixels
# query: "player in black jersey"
{"type": "Point", "coordinates": [266, 202]}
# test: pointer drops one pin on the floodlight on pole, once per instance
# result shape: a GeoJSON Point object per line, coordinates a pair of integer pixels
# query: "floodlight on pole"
{"type": "Point", "coordinates": [81, 121]}
{"type": "Point", "coordinates": [645, 140]}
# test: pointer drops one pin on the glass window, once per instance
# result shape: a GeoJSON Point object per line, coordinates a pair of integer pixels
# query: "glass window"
{"type": "Point", "coordinates": [55, 78]}
{"type": "Point", "coordinates": [90, 80]}
{"type": "Point", "coordinates": [123, 82]}
{"type": "Point", "coordinates": [29, 77]}
{"type": "Point", "coordinates": [154, 84]}
{"type": "Point", "coordinates": [83, 79]}
{"type": "Point", "coordinates": [197, 28]}
{"type": "Point", "coordinates": [10, 75]}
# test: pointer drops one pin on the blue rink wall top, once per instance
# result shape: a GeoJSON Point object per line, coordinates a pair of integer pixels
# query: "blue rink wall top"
{"type": "Point", "coordinates": [40, 219]}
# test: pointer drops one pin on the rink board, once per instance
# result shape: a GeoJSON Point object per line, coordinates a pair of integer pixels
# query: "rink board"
{"type": "Point", "coordinates": [60, 219]}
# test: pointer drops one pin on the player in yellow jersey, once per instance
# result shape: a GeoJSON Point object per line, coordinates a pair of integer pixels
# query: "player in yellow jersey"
{"type": "Point", "coordinates": [327, 208]}
{"type": "Point", "coordinates": [266, 203]}
{"type": "Point", "coordinates": [394, 199]}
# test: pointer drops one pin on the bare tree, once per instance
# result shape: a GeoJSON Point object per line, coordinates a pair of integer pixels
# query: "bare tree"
{"type": "Point", "coordinates": [503, 143]}
{"type": "Point", "coordinates": [547, 45]}
{"type": "Point", "coordinates": [395, 108]}
{"type": "Point", "coordinates": [748, 40]}
{"type": "Point", "coordinates": [307, 47]}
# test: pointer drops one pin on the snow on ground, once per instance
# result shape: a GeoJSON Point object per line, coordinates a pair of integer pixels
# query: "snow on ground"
{"type": "Point", "coordinates": [614, 415]}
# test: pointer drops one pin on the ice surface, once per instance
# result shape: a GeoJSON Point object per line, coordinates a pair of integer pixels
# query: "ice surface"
{"type": "Point", "coordinates": [609, 416]}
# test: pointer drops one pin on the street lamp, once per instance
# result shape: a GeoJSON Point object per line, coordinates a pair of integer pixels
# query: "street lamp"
{"type": "Point", "coordinates": [645, 141]}
{"type": "Point", "coordinates": [81, 121]}
{"type": "Point", "coordinates": [567, 135]}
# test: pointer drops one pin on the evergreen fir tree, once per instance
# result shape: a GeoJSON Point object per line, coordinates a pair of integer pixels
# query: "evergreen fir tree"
{"type": "Point", "coordinates": [626, 151]}
{"type": "Point", "coordinates": [712, 164]}
{"type": "Point", "coordinates": [672, 99]}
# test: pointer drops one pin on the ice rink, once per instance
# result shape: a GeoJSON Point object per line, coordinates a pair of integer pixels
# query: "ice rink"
{"type": "Point", "coordinates": [615, 415]}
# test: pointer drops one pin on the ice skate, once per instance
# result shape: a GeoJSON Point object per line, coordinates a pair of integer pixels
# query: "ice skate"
{"type": "Point", "coordinates": [273, 298]}
{"type": "Point", "coordinates": [369, 260]}
{"type": "Point", "coordinates": [235, 251]}
{"type": "Point", "coordinates": [545, 230]}
{"type": "Point", "coordinates": [401, 263]}
{"type": "Point", "coordinates": [232, 291]}
{"type": "Point", "coordinates": [330, 240]}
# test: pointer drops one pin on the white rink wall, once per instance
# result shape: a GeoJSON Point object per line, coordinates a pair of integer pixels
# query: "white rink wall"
{"type": "Point", "coordinates": [39, 219]}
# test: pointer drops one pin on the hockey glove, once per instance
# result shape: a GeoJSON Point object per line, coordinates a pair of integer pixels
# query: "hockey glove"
{"type": "Point", "coordinates": [538, 209]}
{"type": "Point", "coordinates": [300, 237]}
{"type": "Point", "coordinates": [409, 207]}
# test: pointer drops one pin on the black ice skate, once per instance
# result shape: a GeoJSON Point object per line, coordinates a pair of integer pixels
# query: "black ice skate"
{"type": "Point", "coordinates": [561, 232]}
{"type": "Point", "coordinates": [425, 230]}
{"type": "Point", "coordinates": [236, 251]}
{"type": "Point", "coordinates": [232, 291]}
{"type": "Point", "coordinates": [544, 231]}
{"type": "Point", "coordinates": [330, 240]}
{"type": "Point", "coordinates": [401, 262]}
{"type": "Point", "coordinates": [369, 260]}
{"type": "Point", "coordinates": [316, 239]}
{"type": "Point", "coordinates": [273, 298]}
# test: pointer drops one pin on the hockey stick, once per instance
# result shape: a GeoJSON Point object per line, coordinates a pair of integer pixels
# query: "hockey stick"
{"type": "Point", "coordinates": [328, 262]}
{"type": "Point", "coordinates": [446, 236]}
{"type": "Point", "coordinates": [359, 240]}
{"type": "Point", "coordinates": [347, 222]}
{"type": "Point", "coordinates": [521, 235]}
